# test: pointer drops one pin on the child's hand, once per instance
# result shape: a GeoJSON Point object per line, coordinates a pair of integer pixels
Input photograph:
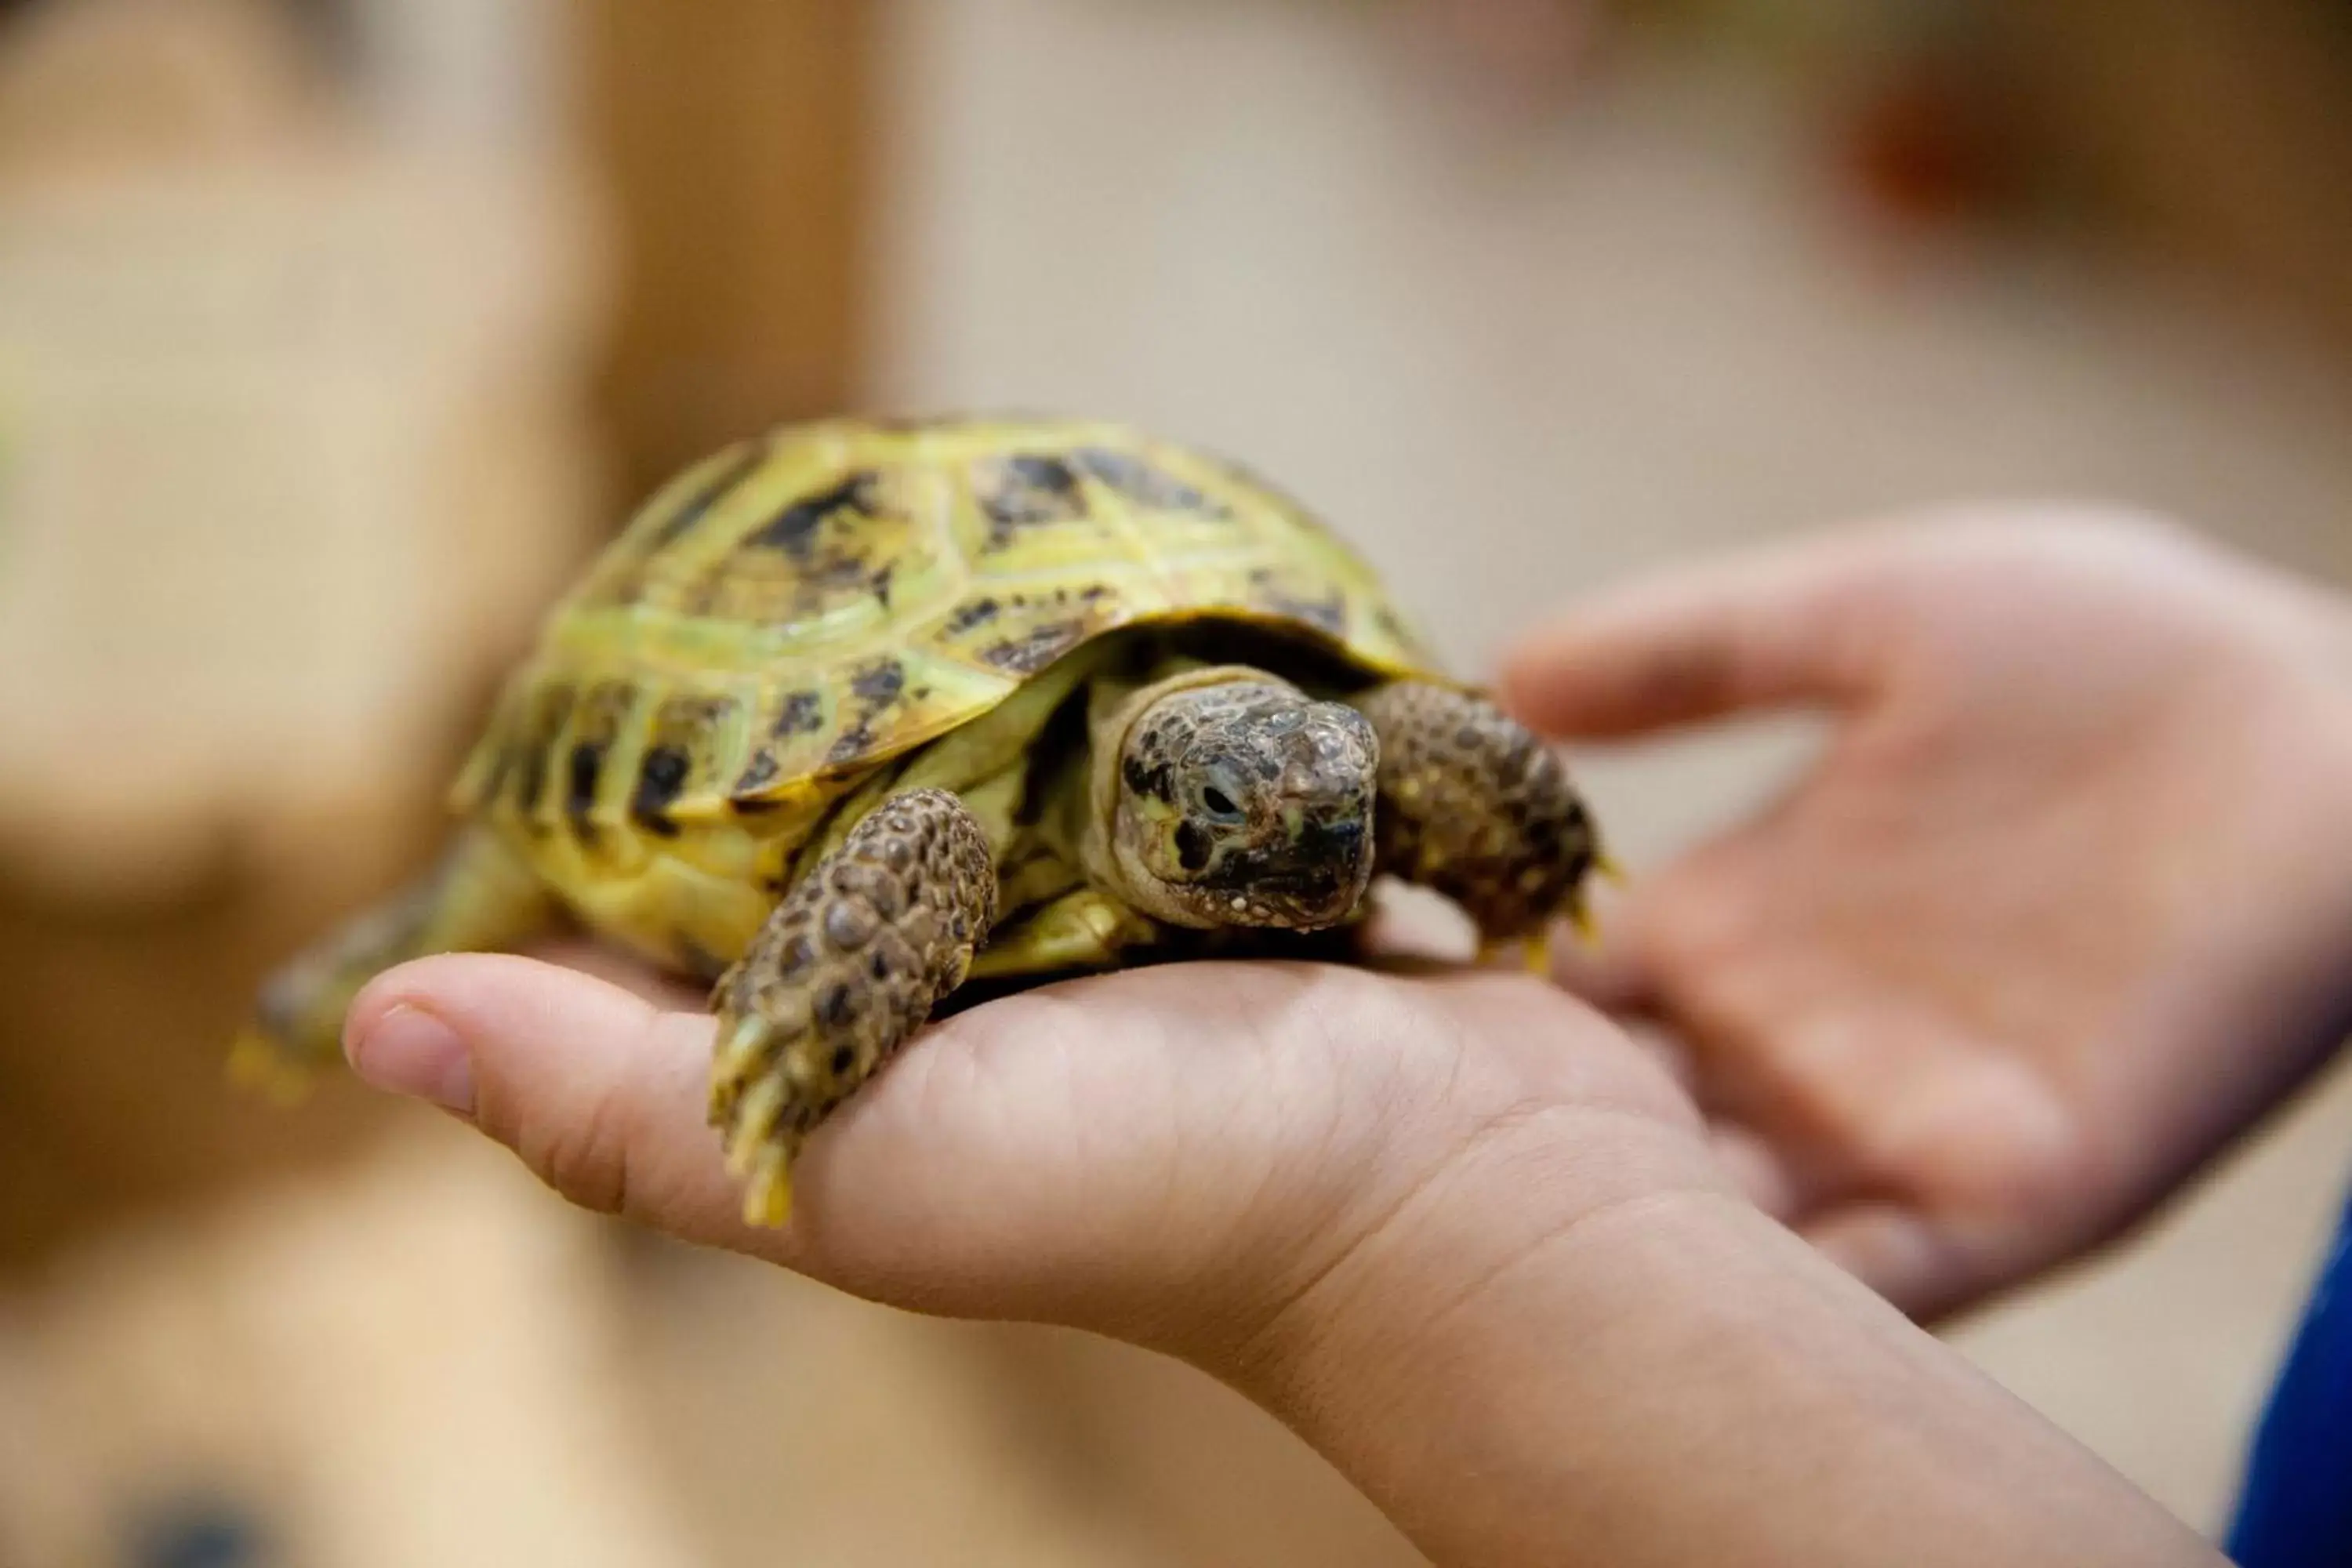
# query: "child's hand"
{"type": "Point", "coordinates": [1461, 1234]}
{"type": "Point", "coordinates": [1172, 1156]}
{"type": "Point", "coordinates": [2068, 903]}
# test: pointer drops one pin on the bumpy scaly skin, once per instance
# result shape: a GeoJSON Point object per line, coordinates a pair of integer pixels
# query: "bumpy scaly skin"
{"type": "Point", "coordinates": [1478, 808]}
{"type": "Point", "coordinates": [1240, 802]}
{"type": "Point", "coordinates": [845, 969]}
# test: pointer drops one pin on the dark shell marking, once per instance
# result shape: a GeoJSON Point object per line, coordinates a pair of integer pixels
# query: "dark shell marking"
{"type": "Point", "coordinates": [599, 724]}
{"type": "Point", "coordinates": [802, 713]}
{"type": "Point", "coordinates": [976, 554]}
{"type": "Point", "coordinates": [747, 460]}
{"type": "Point", "coordinates": [1033, 651]}
{"type": "Point", "coordinates": [1138, 482]}
{"type": "Point", "coordinates": [688, 735]}
{"type": "Point", "coordinates": [551, 709]}
{"type": "Point", "coordinates": [661, 779]}
{"type": "Point", "coordinates": [794, 530]}
{"type": "Point", "coordinates": [1023, 490]}
{"type": "Point", "coordinates": [877, 685]}
{"type": "Point", "coordinates": [979, 613]}
{"type": "Point", "coordinates": [850, 542]}
{"type": "Point", "coordinates": [1271, 593]}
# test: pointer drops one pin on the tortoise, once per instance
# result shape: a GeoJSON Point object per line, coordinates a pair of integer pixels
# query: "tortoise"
{"type": "Point", "coordinates": [855, 712]}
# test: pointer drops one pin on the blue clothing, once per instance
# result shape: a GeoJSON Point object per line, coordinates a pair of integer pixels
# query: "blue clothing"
{"type": "Point", "coordinates": [2296, 1510]}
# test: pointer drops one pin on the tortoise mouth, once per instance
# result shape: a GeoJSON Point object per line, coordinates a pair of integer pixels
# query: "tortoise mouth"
{"type": "Point", "coordinates": [1310, 878]}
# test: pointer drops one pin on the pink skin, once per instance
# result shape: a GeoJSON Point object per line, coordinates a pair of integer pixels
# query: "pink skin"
{"type": "Point", "coordinates": [2060, 911]}
{"type": "Point", "coordinates": [1477, 1245]}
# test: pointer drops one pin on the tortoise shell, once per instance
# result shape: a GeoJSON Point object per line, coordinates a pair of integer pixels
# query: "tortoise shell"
{"type": "Point", "coordinates": [793, 613]}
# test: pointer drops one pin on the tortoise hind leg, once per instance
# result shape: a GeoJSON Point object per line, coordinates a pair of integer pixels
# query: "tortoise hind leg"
{"type": "Point", "coordinates": [479, 897]}
{"type": "Point", "coordinates": [845, 971]}
{"type": "Point", "coordinates": [1474, 806]}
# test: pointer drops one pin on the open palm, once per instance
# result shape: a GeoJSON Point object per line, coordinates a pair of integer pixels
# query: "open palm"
{"type": "Point", "coordinates": [1170, 1155]}
{"type": "Point", "coordinates": [2049, 922]}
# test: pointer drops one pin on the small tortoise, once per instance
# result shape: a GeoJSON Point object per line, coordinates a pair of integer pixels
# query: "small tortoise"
{"type": "Point", "coordinates": [847, 704]}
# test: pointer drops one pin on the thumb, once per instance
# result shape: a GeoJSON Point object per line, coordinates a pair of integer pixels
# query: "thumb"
{"type": "Point", "coordinates": [598, 1089]}
{"type": "Point", "coordinates": [1170, 1154]}
{"type": "Point", "coordinates": [603, 1094]}
{"type": "Point", "coordinates": [1782, 627]}
{"type": "Point", "coordinates": [1115, 1154]}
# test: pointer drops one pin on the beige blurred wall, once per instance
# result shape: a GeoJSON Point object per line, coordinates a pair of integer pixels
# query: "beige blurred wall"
{"type": "Point", "coordinates": [1519, 356]}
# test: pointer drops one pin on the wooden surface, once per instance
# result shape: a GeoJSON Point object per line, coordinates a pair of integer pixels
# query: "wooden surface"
{"type": "Point", "coordinates": [290, 456]}
{"type": "Point", "coordinates": [733, 137]}
{"type": "Point", "coordinates": [414, 1360]}
{"type": "Point", "coordinates": [423, 1357]}
{"type": "Point", "coordinates": [2214, 130]}
{"type": "Point", "coordinates": [113, 1105]}
{"type": "Point", "coordinates": [291, 445]}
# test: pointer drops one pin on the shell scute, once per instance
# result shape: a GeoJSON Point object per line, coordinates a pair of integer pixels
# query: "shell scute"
{"type": "Point", "coordinates": [798, 608]}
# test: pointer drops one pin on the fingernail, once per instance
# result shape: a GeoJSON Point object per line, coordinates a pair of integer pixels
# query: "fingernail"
{"type": "Point", "coordinates": [409, 1051]}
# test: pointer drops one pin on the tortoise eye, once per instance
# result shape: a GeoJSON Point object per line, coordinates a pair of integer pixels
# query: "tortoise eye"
{"type": "Point", "coordinates": [1220, 793]}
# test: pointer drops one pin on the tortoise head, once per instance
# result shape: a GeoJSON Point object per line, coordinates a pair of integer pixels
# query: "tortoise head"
{"type": "Point", "coordinates": [1245, 803]}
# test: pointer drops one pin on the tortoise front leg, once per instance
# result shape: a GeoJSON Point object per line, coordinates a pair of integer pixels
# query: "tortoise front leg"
{"type": "Point", "coordinates": [847, 967]}
{"type": "Point", "coordinates": [1476, 806]}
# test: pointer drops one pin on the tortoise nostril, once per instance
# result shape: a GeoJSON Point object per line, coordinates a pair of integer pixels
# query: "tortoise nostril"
{"type": "Point", "coordinates": [1333, 845]}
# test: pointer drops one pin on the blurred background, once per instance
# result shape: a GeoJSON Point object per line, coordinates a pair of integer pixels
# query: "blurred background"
{"type": "Point", "coordinates": [334, 334]}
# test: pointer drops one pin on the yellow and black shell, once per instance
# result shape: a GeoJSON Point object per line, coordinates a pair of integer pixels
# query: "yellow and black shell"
{"type": "Point", "coordinates": [796, 611]}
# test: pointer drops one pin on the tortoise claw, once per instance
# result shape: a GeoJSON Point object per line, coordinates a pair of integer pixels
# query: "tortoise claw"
{"type": "Point", "coordinates": [260, 1066]}
{"type": "Point", "coordinates": [1534, 953]}
{"type": "Point", "coordinates": [768, 1196]}
{"type": "Point", "coordinates": [753, 1123]}
{"type": "Point", "coordinates": [742, 1049]}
